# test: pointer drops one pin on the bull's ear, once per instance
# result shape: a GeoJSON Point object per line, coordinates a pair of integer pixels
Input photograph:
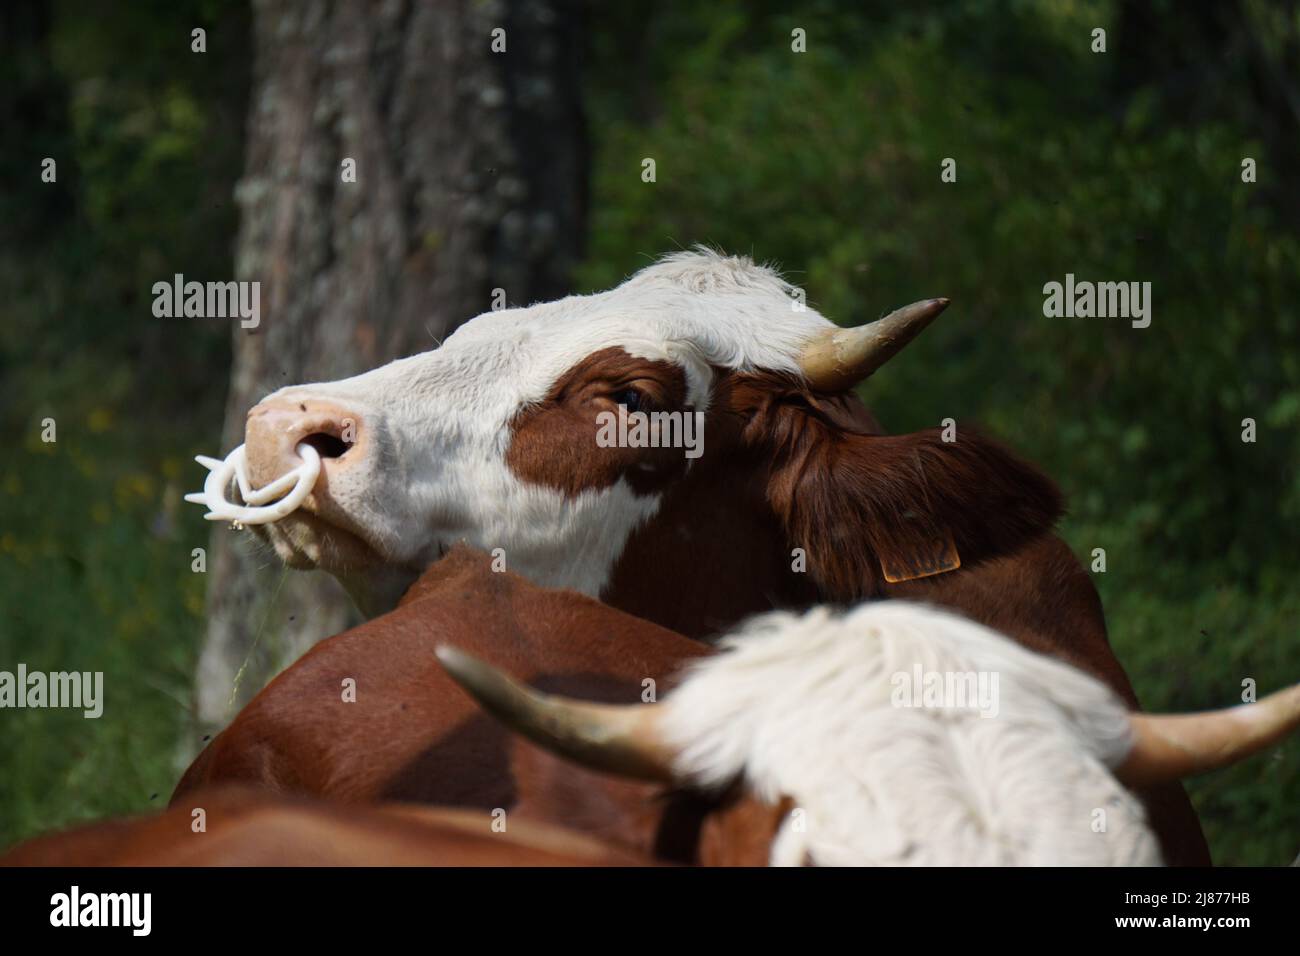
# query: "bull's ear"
{"type": "Point", "coordinates": [870, 509]}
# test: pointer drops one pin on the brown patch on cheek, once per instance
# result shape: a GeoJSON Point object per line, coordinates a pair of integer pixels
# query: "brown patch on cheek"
{"type": "Point", "coordinates": [554, 443]}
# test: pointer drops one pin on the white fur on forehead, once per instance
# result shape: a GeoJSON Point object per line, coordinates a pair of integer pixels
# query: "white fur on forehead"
{"type": "Point", "coordinates": [695, 308]}
{"type": "Point", "coordinates": [707, 270]}
{"type": "Point", "coordinates": [803, 707]}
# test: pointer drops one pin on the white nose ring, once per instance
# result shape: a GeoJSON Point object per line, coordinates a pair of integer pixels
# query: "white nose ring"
{"type": "Point", "coordinates": [300, 480]}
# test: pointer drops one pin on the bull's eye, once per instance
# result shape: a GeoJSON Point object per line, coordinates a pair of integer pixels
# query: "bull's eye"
{"type": "Point", "coordinates": [630, 398]}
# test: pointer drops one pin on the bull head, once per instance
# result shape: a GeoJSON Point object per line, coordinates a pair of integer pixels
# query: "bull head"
{"type": "Point", "coordinates": [492, 438]}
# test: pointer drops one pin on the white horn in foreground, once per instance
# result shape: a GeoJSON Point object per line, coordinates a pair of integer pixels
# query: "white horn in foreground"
{"type": "Point", "coordinates": [1172, 746]}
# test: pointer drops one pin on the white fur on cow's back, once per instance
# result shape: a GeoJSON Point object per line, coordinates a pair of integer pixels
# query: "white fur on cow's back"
{"type": "Point", "coordinates": [801, 706]}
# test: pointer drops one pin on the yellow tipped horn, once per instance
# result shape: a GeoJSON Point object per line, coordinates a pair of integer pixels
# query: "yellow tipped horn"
{"type": "Point", "coordinates": [837, 359]}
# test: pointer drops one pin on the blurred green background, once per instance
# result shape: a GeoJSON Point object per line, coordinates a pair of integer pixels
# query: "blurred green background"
{"type": "Point", "coordinates": [1117, 166]}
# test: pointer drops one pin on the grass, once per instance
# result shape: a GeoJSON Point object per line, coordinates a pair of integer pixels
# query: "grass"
{"type": "Point", "coordinates": [96, 575]}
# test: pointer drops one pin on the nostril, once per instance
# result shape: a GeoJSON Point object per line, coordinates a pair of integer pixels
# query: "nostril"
{"type": "Point", "coordinates": [329, 446]}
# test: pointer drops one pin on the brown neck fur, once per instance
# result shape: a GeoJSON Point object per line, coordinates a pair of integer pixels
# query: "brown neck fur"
{"type": "Point", "coordinates": [787, 468]}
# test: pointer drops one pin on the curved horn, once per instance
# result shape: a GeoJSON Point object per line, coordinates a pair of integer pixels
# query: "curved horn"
{"type": "Point", "coordinates": [1168, 747]}
{"type": "Point", "coordinates": [616, 739]}
{"type": "Point", "coordinates": [837, 359]}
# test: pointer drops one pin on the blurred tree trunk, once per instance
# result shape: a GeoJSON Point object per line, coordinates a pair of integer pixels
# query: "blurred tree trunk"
{"type": "Point", "coordinates": [470, 175]}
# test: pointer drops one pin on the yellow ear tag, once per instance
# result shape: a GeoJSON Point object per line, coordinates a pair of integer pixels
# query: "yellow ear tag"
{"type": "Point", "coordinates": [934, 553]}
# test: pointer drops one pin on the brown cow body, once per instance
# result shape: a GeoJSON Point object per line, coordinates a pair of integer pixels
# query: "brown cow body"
{"type": "Point", "coordinates": [412, 735]}
{"type": "Point", "coordinates": [246, 826]}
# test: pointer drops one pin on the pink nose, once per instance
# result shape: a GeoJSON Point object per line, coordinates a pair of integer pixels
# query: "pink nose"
{"type": "Point", "coordinates": [277, 426]}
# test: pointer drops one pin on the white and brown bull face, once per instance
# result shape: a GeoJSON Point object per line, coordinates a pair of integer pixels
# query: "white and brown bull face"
{"type": "Point", "coordinates": [492, 439]}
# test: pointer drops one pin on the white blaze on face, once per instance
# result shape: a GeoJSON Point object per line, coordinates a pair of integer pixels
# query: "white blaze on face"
{"type": "Point", "coordinates": [438, 425]}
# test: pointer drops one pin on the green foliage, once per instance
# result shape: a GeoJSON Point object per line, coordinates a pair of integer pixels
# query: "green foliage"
{"type": "Point", "coordinates": [95, 565]}
{"type": "Point", "coordinates": [148, 140]}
